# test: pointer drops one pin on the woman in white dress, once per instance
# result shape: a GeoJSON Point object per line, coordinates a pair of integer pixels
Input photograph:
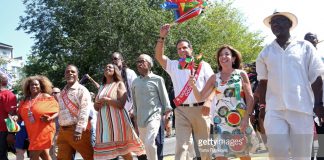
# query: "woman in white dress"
{"type": "Point", "coordinates": [232, 134]}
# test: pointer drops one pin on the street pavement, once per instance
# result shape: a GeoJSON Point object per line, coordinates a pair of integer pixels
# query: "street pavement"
{"type": "Point", "coordinates": [169, 150]}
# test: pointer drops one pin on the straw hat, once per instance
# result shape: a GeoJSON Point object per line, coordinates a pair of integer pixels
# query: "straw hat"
{"type": "Point", "coordinates": [289, 15]}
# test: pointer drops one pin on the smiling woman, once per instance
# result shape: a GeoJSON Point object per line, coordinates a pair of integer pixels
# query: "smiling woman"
{"type": "Point", "coordinates": [37, 110]}
{"type": "Point", "coordinates": [115, 135]}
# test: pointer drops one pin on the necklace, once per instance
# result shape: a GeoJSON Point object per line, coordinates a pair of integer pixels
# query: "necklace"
{"type": "Point", "coordinates": [225, 76]}
{"type": "Point", "coordinates": [30, 113]}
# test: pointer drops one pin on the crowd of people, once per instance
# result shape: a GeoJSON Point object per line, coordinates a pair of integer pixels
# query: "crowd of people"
{"type": "Point", "coordinates": [217, 115]}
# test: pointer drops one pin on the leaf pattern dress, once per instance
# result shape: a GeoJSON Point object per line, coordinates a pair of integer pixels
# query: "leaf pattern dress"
{"type": "Point", "coordinates": [227, 114]}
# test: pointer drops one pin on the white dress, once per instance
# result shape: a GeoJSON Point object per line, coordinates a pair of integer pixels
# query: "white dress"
{"type": "Point", "coordinates": [227, 115]}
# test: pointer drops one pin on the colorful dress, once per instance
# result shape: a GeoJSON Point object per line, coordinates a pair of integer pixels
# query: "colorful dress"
{"type": "Point", "coordinates": [227, 115]}
{"type": "Point", "coordinates": [40, 133]}
{"type": "Point", "coordinates": [115, 134]}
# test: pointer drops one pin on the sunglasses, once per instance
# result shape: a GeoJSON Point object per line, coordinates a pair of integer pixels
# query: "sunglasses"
{"type": "Point", "coordinates": [279, 20]}
{"type": "Point", "coordinates": [141, 61]}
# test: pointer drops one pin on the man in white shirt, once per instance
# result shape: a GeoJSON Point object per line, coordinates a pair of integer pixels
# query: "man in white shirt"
{"type": "Point", "coordinates": [188, 114]}
{"type": "Point", "coordinates": [289, 72]}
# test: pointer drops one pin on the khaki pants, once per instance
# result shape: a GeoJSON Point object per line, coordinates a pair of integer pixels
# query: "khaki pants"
{"type": "Point", "coordinates": [188, 119]}
{"type": "Point", "coordinates": [148, 136]}
{"type": "Point", "coordinates": [67, 146]}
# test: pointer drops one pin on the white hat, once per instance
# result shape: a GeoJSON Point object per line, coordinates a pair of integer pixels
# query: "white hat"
{"type": "Point", "coordinates": [289, 15]}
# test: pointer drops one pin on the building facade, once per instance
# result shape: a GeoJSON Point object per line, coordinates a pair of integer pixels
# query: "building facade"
{"type": "Point", "coordinates": [10, 65]}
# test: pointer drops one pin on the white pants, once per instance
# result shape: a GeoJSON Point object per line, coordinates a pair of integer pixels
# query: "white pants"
{"type": "Point", "coordinates": [289, 134]}
{"type": "Point", "coordinates": [148, 135]}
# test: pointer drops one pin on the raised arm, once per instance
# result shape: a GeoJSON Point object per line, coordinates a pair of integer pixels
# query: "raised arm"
{"type": "Point", "coordinates": [159, 48]}
{"type": "Point", "coordinates": [93, 81]}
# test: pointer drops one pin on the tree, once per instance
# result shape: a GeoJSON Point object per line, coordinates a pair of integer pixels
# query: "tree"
{"type": "Point", "coordinates": [3, 61]}
{"type": "Point", "coordinates": [86, 33]}
{"type": "Point", "coordinates": [220, 24]}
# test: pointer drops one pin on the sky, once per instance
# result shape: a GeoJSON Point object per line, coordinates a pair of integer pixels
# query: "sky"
{"type": "Point", "coordinates": [10, 10]}
{"type": "Point", "coordinates": [310, 14]}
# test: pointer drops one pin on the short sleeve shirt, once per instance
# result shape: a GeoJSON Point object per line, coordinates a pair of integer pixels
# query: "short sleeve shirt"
{"type": "Point", "coordinates": [180, 77]}
{"type": "Point", "coordinates": [290, 73]}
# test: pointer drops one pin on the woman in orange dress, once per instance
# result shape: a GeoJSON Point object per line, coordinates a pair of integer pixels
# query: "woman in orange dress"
{"type": "Point", "coordinates": [37, 110]}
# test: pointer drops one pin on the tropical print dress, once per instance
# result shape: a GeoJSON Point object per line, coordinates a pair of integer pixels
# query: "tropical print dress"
{"type": "Point", "coordinates": [228, 140]}
{"type": "Point", "coordinates": [115, 134]}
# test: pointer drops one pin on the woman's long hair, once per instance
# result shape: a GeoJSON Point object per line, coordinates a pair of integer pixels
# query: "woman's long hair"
{"type": "Point", "coordinates": [116, 76]}
{"type": "Point", "coordinates": [235, 53]}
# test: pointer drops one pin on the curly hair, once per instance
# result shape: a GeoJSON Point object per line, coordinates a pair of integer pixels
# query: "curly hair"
{"type": "Point", "coordinates": [44, 82]}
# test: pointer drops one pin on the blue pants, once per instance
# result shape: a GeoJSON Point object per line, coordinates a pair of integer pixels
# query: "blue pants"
{"type": "Point", "coordinates": [159, 141]}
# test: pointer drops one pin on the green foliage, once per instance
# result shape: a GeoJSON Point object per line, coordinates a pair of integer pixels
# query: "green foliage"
{"type": "Point", "coordinates": [3, 61]}
{"type": "Point", "coordinates": [86, 33]}
{"type": "Point", "coordinates": [220, 24]}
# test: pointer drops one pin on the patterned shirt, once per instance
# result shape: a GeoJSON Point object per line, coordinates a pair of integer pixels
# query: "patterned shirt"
{"type": "Point", "coordinates": [150, 98]}
{"type": "Point", "coordinates": [80, 96]}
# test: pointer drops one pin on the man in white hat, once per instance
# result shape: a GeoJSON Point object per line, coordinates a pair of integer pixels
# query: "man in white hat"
{"type": "Point", "coordinates": [290, 87]}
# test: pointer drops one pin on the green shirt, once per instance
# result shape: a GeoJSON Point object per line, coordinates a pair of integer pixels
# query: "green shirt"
{"type": "Point", "coordinates": [150, 98]}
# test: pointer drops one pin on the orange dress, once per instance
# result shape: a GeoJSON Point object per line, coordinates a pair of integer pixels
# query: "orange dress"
{"type": "Point", "coordinates": [40, 133]}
